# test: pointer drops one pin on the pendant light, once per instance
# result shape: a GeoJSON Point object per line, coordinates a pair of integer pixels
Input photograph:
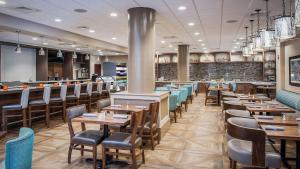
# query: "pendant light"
{"type": "Point", "coordinates": [251, 42]}
{"type": "Point", "coordinates": [74, 55]}
{"type": "Point", "coordinates": [87, 57]}
{"type": "Point", "coordinates": [18, 48]}
{"type": "Point", "coordinates": [59, 54]}
{"type": "Point", "coordinates": [245, 49]}
{"type": "Point", "coordinates": [297, 13]}
{"type": "Point", "coordinates": [268, 35]}
{"type": "Point", "coordinates": [284, 25]}
{"type": "Point", "coordinates": [41, 51]}
{"type": "Point", "coordinates": [257, 39]}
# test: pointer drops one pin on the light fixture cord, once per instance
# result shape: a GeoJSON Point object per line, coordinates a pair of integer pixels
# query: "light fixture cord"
{"type": "Point", "coordinates": [251, 24]}
{"type": "Point", "coordinates": [258, 27]}
{"type": "Point", "coordinates": [267, 14]}
{"type": "Point", "coordinates": [18, 37]}
{"type": "Point", "coordinates": [246, 35]}
{"type": "Point", "coordinates": [283, 7]}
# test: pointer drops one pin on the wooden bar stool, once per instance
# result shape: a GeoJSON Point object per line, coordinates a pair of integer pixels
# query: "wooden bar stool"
{"type": "Point", "coordinates": [21, 107]}
{"type": "Point", "coordinates": [41, 105]}
{"type": "Point", "coordinates": [59, 103]}
{"type": "Point", "coordinates": [107, 87]}
{"type": "Point", "coordinates": [96, 95]}
{"type": "Point", "coordinates": [73, 100]}
{"type": "Point", "coordinates": [85, 98]}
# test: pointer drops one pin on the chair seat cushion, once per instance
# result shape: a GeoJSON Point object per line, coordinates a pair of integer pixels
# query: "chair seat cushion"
{"type": "Point", "coordinates": [88, 137]}
{"type": "Point", "coordinates": [37, 102]}
{"type": "Point", "coordinates": [239, 113]}
{"type": "Point", "coordinates": [84, 94]}
{"type": "Point", "coordinates": [241, 151]}
{"type": "Point", "coordinates": [120, 139]}
{"type": "Point", "coordinates": [55, 99]}
{"type": "Point", "coordinates": [213, 93]}
{"type": "Point", "coordinates": [147, 127]}
{"type": "Point", "coordinates": [71, 97]}
{"type": "Point", "coordinates": [12, 107]}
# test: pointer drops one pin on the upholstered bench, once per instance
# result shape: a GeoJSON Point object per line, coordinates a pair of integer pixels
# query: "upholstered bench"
{"type": "Point", "coordinates": [290, 99]}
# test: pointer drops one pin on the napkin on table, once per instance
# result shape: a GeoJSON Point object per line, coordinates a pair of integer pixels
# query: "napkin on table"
{"type": "Point", "coordinates": [276, 128]}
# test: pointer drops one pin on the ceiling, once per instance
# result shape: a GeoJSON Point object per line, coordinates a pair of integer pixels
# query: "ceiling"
{"type": "Point", "coordinates": [209, 16]}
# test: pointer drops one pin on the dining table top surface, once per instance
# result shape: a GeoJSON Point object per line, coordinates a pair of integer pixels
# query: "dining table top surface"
{"type": "Point", "coordinates": [103, 119]}
{"type": "Point", "coordinates": [288, 133]}
{"type": "Point", "coordinates": [126, 108]}
{"type": "Point", "coordinates": [276, 120]}
{"type": "Point", "coordinates": [271, 108]}
{"type": "Point", "coordinates": [217, 88]}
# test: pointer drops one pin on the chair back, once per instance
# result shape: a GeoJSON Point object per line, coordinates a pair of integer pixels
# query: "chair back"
{"type": "Point", "coordinates": [89, 88]}
{"type": "Point", "coordinates": [247, 129]}
{"type": "Point", "coordinates": [153, 110]}
{"type": "Point", "coordinates": [24, 98]}
{"type": "Point", "coordinates": [46, 95]}
{"type": "Point", "coordinates": [18, 151]}
{"type": "Point", "coordinates": [173, 102]}
{"type": "Point", "coordinates": [233, 105]}
{"type": "Point", "coordinates": [178, 94]}
{"type": "Point", "coordinates": [103, 103]}
{"type": "Point", "coordinates": [77, 89]}
{"type": "Point", "coordinates": [72, 113]}
{"type": "Point", "coordinates": [107, 86]}
{"type": "Point", "coordinates": [206, 86]}
{"type": "Point", "coordinates": [137, 125]}
{"type": "Point", "coordinates": [63, 92]}
{"type": "Point", "coordinates": [99, 87]}
{"type": "Point", "coordinates": [189, 88]}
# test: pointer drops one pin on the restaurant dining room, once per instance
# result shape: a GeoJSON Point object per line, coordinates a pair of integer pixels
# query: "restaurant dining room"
{"type": "Point", "coordinates": [149, 84]}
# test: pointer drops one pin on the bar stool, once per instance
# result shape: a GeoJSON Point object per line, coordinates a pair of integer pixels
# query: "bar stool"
{"type": "Point", "coordinates": [16, 107]}
{"type": "Point", "coordinates": [60, 102]}
{"type": "Point", "coordinates": [107, 88]}
{"type": "Point", "coordinates": [85, 98]}
{"type": "Point", "coordinates": [40, 103]}
{"type": "Point", "coordinates": [96, 95]}
{"type": "Point", "coordinates": [73, 100]}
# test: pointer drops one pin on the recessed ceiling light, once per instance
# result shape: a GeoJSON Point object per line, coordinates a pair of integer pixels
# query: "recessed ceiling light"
{"type": "Point", "coordinates": [73, 46]}
{"type": "Point", "coordinates": [163, 41]}
{"type": "Point", "coordinates": [92, 31]}
{"type": "Point", "coordinates": [114, 38]}
{"type": "Point", "coordinates": [234, 40]}
{"type": "Point", "coordinates": [241, 38]}
{"type": "Point", "coordinates": [79, 10]}
{"type": "Point", "coordinates": [45, 43]}
{"type": "Point", "coordinates": [77, 48]}
{"type": "Point", "coordinates": [2, 2]}
{"type": "Point", "coordinates": [237, 43]}
{"type": "Point", "coordinates": [34, 38]}
{"type": "Point", "coordinates": [204, 48]}
{"type": "Point", "coordinates": [200, 40]}
{"type": "Point", "coordinates": [99, 50]}
{"type": "Point", "coordinates": [181, 8]}
{"type": "Point", "coordinates": [203, 44]}
{"type": "Point", "coordinates": [206, 51]}
{"type": "Point", "coordinates": [57, 20]}
{"type": "Point", "coordinates": [113, 14]}
{"type": "Point", "coordinates": [232, 51]}
{"type": "Point", "coordinates": [191, 24]}
{"type": "Point", "coordinates": [170, 46]}
{"type": "Point", "coordinates": [196, 33]}
{"type": "Point", "coordinates": [235, 47]}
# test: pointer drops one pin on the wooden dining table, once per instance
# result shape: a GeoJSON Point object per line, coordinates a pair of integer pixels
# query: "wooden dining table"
{"type": "Point", "coordinates": [253, 98]}
{"type": "Point", "coordinates": [219, 90]}
{"type": "Point", "coordinates": [290, 133]}
{"type": "Point", "coordinates": [126, 108]}
{"type": "Point", "coordinates": [269, 108]}
{"type": "Point", "coordinates": [276, 120]}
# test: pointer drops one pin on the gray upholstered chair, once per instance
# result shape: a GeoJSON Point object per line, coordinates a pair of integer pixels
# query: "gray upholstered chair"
{"type": "Point", "coordinates": [96, 95]}
{"type": "Point", "coordinates": [22, 106]}
{"type": "Point", "coordinates": [85, 97]}
{"type": "Point", "coordinates": [126, 141]}
{"type": "Point", "coordinates": [233, 105]}
{"type": "Point", "coordinates": [103, 103]}
{"type": "Point", "coordinates": [248, 145]}
{"type": "Point", "coordinates": [73, 99]}
{"type": "Point", "coordinates": [59, 103]}
{"type": "Point", "coordinates": [40, 105]}
{"type": "Point", "coordinates": [90, 138]}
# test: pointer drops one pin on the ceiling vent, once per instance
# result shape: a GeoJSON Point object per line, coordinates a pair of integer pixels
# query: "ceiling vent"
{"type": "Point", "coordinates": [170, 37]}
{"type": "Point", "coordinates": [231, 21]}
{"type": "Point", "coordinates": [83, 27]}
{"type": "Point", "coordinates": [80, 10]}
{"type": "Point", "coordinates": [64, 44]}
{"type": "Point", "coordinates": [24, 9]}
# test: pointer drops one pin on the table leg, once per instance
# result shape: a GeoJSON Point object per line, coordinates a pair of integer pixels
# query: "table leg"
{"type": "Point", "coordinates": [283, 154]}
{"type": "Point", "coordinates": [297, 154]}
{"type": "Point", "coordinates": [219, 97]}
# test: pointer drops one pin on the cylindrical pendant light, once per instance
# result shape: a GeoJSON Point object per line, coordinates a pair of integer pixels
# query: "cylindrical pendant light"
{"type": "Point", "coordinates": [284, 25]}
{"type": "Point", "coordinates": [18, 48]}
{"type": "Point", "coordinates": [297, 13]}
{"type": "Point", "coordinates": [74, 55]}
{"type": "Point", "coordinates": [59, 54]}
{"type": "Point", "coordinates": [41, 52]}
{"type": "Point", "coordinates": [251, 42]}
{"type": "Point", "coordinates": [87, 57]}
{"type": "Point", "coordinates": [245, 48]}
{"type": "Point", "coordinates": [268, 35]}
{"type": "Point", "coordinates": [258, 39]}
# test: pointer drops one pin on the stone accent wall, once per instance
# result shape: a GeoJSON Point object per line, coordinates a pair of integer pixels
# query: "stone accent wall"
{"type": "Point", "coordinates": [168, 71]}
{"type": "Point", "coordinates": [229, 71]}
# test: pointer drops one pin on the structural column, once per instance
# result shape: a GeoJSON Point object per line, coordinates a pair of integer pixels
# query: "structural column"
{"type": "Point", "coordinates": [183, 67]}
{"type": "Point", "coordinates": [141, 72]}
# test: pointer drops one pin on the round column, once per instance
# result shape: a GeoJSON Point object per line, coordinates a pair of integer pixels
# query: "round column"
{"type": "Point", "coordinates": [141, 68]}
{"type": "Point", "coordinates": [183, 67]}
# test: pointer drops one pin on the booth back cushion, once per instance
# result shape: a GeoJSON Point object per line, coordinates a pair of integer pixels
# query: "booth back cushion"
{"type": "Point", "coordinates": [289, 98]}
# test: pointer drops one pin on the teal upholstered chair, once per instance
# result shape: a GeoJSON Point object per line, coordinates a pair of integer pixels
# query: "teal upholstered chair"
{"type": "Point", "coordinates": [178, 101]}
{"type": "Point", "coordinates": [184, 97]}
{"type": "Point", "coordinates": [173, 105]}
{"type": "Point", "coordinates": [195, 84]}
{"type": "Point", "coordinates": [18, 151]}
{"type": "Point", "coordinates": [171, 86]}
{"type": "Point", "coordinates": [161, 89]}
{"type": "Point", "coordinates": [190, 92]}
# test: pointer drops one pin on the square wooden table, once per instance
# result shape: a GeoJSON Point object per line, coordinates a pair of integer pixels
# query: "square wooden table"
{"type": "Point", "coordinates": [253, 98]}
{"type": "Point", "coordinates": [125, 108]}
{"type": "Point", "coordinates": [290, 133]}
{"type": "Point", "coordinates": [268, 108]}
{"type": "Point", "coordinates": [218, 89]}
{"type": "Point", "coordinates": [276, 120]}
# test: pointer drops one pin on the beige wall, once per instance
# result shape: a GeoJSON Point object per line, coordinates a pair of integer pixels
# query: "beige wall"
{"type": "Point", "coordinates": [284, 51]}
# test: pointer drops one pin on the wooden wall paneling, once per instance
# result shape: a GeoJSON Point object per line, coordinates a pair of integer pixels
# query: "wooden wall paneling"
{"type": "Point", "coordinates": [0, 62]}
{"type": "Point", "coordinates": [68, 66]}
{"type": "Point", "coordinates": [42, 66]}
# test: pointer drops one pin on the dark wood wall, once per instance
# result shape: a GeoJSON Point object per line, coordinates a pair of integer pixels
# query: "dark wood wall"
{"type": "Point", "coordinates": [42, 66]}
{"type": "Point", "coordinates": [68, 66]}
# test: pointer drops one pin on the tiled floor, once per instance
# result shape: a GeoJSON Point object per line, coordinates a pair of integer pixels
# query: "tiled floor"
{"type": "Point", "coordinates": [195, 142]}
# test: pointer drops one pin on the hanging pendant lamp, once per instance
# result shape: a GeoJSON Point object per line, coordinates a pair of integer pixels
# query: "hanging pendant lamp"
{"type": "Point", "coordinates": [245, 48]}
{"type": "Point", "coordinates": [251, 42]}
{"type": "Point", "coordinates": [284, 25]}
{"type": "Point", "coordinates": [297, 13]}
{"type": "Point", "coordinates": [59, 54]}
{"type": "Point", "coordinates": [268, 35]}
{"type": "Point", "coordinates": [257, 39]}
{"type": "Point", "coordinates": [87, 57]}
{"type": "Point", "coordinates": [18, 48]}
{"type": "Point", "coordinates": [74, 55]}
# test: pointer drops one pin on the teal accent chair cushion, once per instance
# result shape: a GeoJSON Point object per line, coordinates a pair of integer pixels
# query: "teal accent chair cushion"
{"type": "Point", "coordinates": [179, 95]}
{"type": "Point", "coordinates": [170, 86]}
{"type": "Point", "coordinates": [18, 151]}
{"type": "Point", "coordinates": [189, 88]}
{"type": "Point", "coordinates": [173, 102]}
{"type": "Point", "coordinates": [195, 86]}
{"type": "Point", "coordinates": [161, 89]}
{"type": "Point", "coordinates": [211, 84]}
{"type": "Point", "coordinates": [289, 98]}
{"type": "Point", "coordinates": [185, 93]}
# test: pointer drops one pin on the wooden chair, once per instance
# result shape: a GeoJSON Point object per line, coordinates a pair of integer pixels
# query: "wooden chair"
{"type": "Point", "coordinates": [103, 103]}
{"type": "Point", "coordinates": [209, 95]}
{"type": "Point", "coordinates": [233, 105]}
{"type": "Point", "coordinates": [96, 95]}
{"type": "Point", "coordinates": [85, 97]}
{"type": "Point", "coordinates": [90, 138]}
{"type": "Point", "coordinates": [40, 106]}
{"type": "Point", "coordinates": [150, 131]}
{"type": "Point", "coordinates": [73, 99]}
{"type": "Point", "coordinates": [21, 107]}
{"type": "Point", "coordinates": [59, 103]}
{"type": "Point", "coordinates": [126, 141]}
{"type": "Point", "coordinates": [248, 144]}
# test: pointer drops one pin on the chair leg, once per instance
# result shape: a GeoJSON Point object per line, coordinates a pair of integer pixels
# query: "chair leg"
{"type": "Point", "coordinates": [81, 150]}
{"type": "Point", "coordinates": [233, 164]}
{"type": "Point", "coordinates": [143, 155]}
{"type": "Point", "coordinates": [133, 156]}
{"type": "Point", "coordinates": [64, 111]}
{"type": "Point", "coordinates": [103, 157]}
{"type": "Point", "coordinates": [4, 121]}
{"type": "Point", "coordinates": [70, 153]}
{"type": "Point", "coordinates": [152, 140]}
{"type": "Point", "coordinates": [29, 116]}
{"type": "Point", "coordinates": [175, 116]}
{"type": "Point", "coordinates": [95, 157]}
{"type": "Point", "coordinates": [24, 118]}
{"type": "Point", "coordinates": [117, 156]}
{"type": "Point", "coordinates": [47, 116]}
{"type": "Point", "coordinates": [205, 101]}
